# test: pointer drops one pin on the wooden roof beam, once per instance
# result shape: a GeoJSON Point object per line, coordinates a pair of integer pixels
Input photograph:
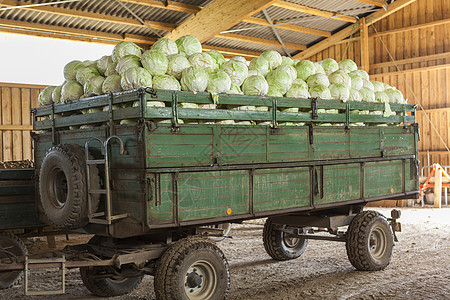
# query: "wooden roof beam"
{"type": "Point", "coordinates": [379, 3]}
{"type": "Point", "coordinates": [313, 11]}
{"type": "Point", "coordinates": [256, 40]}
{"type": "Point", "coordinates": [337, 37]}
{"type": "Point", "coordinates": [56, 32]}
{"type": "Point", "coordinates": [291, 27]}
{"type": "Point", "coordinates": [218, 16]}
{"type": "Point", "coordinates": [88, 15]}
{"type": "Point", "coordinates": [172, 5]}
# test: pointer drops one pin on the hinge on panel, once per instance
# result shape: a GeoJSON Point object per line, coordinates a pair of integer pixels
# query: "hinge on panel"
{"type": "Point", "coordinates": [314, 108]}
{"type": "Point", "coordinates": [311, 136]}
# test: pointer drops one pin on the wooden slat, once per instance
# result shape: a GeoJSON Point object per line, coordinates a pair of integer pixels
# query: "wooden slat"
{"type": "Point", "coordinates": [415, 70]}
{"type": "Point", "coordinates": [218, 16]}
{"type": "Point", "coordinates": [313, 11]}
{"type": "Point", "coordinates": [26, 123]}
{"type": "Point", "coordinates": [16, 119]}
{"type": "Point", "coordinates": [17, 127]}
{"type": "Point", "coordinates": [392, 8]}
{"type": "Point", "coordinates": [256, 40]}
{"type": "Point", "coordinates": [7, 119]}
{"type": "Point", "coordinates": [22, 85]}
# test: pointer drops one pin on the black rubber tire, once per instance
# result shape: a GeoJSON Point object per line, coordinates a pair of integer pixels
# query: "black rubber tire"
{"type": "Point", "coordinates": [63, 186]}
{"type": "Point", "coordinates": [107, 286]}
{"type": "Point", "coordinates": [370, 241]}
{"type": "Point", "coordinates": [197, 256]}
{"type": "Point", "coordinates": [279, 246]}
{"type": "Point", "coordinates": [10, 242]}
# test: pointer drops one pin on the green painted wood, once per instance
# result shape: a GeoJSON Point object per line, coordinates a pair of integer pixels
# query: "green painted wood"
{"type": "Point", "coordinates": [280, 188]}
{"type": "Point", "coordinates": [212, 194]}
{"type": "Point", "coordinates": [340, 183]}
{"type": "Point", "coordinates": [18, 211]}
{"type": "Point", "coordinates": [382, 178]}
{"type": "Point", "coordinates": [160, 205]}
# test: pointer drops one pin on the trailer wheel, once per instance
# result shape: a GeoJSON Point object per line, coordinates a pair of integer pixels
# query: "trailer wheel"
{"type": "Point", "coordinates": [281, 246]}
{"type": "Point", "coordinates": [369, 241]}
{"type": "Point", "coordinates": [192, 269]}
{"type": "Point", "coordinates": [102, 282]}
{"type": "Point", "coordinates": [11, 247]}
{"type": "Point", "coordinates": [63, 186]}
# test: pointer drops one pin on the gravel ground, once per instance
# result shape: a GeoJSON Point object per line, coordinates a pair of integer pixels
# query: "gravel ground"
{"type": "Point", "coordinates": [419, 268]}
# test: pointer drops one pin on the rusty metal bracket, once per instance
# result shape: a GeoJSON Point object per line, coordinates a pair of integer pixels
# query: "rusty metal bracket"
{"type": "Point", "coordinates": [175, 124]}
{"type": "Point", "coordinates": [274, 114]}
{"type": "Point", "coordinates": [152, 92]}
{"type": "Point", "coordinates": [311, 136]}
{"type": "Point", "coordinates": [347, 115]}
{"type": "Point", "coordinates": [314, 108]}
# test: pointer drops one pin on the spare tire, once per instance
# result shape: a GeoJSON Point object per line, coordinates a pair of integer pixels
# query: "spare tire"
{"type": "Point", "coordinates": [63, 186]}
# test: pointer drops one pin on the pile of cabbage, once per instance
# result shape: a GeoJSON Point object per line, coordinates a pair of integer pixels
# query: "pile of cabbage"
{"type": "Point", "coordinates": [181, 65]}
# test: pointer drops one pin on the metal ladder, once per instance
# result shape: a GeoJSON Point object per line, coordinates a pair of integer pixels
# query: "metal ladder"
{"type": "Point", "coordinates": [94, 216]}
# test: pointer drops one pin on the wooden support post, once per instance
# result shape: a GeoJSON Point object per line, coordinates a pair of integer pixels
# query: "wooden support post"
{"type": "Point", "coordinates": [438, 187]}
{"type": "Point", "coordinates": [51, 241]}
{"type": "Point", "coordinates": [364, 33]}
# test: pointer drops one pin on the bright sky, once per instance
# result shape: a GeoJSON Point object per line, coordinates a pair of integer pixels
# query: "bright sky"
{"type": "Point", "coordinates": [25, 59]}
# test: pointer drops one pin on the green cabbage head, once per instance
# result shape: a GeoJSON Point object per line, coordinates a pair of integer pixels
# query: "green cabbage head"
{"type": "Point", "coordinates": [176, 64]}
{"type": "Point", "coordinates": [135, 78]}
{"type": "Point", "coordinates": [194, 80]}
{"type": "Point", "coordinates": [125, 48]}
{"type": "Point", "coordinates": [236, 70]}
{"type": "Point", "coordinates": [273, 57]}
{"type": "Point", "coordinates": [155, 62]}
{"type": "Point", "coordinates": [71, 90]}
{"type": "Point", "coordinates": [126, 62]}
{"type": "Point", "coordinates": [255, 85]}
{"type": "Point", "coordinates": [329, 65]}
{"type": "Point", "coordinates": [93, 86]}
{"type": "Point", "coordinates": [339, 92]}
{"type": "Point", "coordinates": [203, 61]}
{"type": "Point", "coordinates": [71, 69]}
{"type": "Point", "coordinates": [218, 82]}
{"type": "Point", "coordinates": [259, 64]}
{"type": "Point", "coordinates": [280, 80]}
{"type": "Point", "coordinates": [166, 46]}
{"type": "Point", "coordinates": [112, 84]}
{"type": "Point", "coordinates": [45, 97]}
{"type": "Point", "coordinates": [305, 69]}
{"type": "Point", "coordinates": [188, 44]}
{"type": "Point", "coordinates": [218, 58]}
{"type": "Point", "coordinates": [166, 82]}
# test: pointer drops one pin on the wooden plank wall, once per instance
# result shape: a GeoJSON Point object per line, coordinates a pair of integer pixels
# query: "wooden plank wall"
{"type": "Point", "coordinates": [418, 39]}
{"type": "Point", "coordinates": [15, 120]}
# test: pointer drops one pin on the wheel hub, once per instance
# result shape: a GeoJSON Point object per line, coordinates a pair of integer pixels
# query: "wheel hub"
{"type": "Point", "coordinates": [200, 281]}
{"type": "Point", "coordinates": [194, 280]}
{"type": "Point", "coordinates": [377, 243]}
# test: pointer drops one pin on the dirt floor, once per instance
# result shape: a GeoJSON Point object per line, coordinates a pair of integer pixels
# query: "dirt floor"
{"type": "Point", "coordinates": [420, 267]}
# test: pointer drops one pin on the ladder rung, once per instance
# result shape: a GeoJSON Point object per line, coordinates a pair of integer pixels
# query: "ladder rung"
{"type": "Point", "coordinates": [95, 161]}
{"type": "Point", "coordinates": [97, 191]}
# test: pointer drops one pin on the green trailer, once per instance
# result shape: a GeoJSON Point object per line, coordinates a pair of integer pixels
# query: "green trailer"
{"type": "Point", "coordinates": [159, 178]}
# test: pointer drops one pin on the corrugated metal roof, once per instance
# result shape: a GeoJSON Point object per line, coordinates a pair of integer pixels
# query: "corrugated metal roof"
{"type": "Point", "coordinates": [110, 8]}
